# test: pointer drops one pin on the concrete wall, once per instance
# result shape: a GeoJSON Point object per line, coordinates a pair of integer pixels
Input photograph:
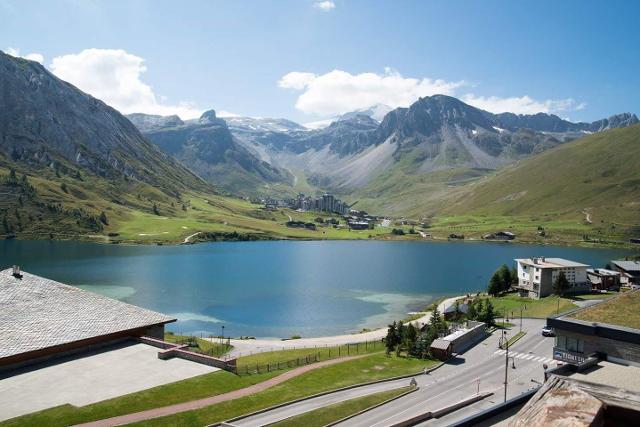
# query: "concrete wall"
{"type": "Point", "coordinates": [476, 331]}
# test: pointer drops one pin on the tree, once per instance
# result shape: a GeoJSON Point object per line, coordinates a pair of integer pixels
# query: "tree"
{"type": "Point", "coordinates": [489, 315]}
{"type": "Point", "coordinates": [155, 209]}
{"type": "Point", "coordinates": [471, 311]}
{"type": "Point", "coordinates": [64, 188]}
{"type": "Point", "coordinates": [514, 275]}
{"type": "Point", "coordinates": [390, 340]}
{"type": "Point", "coordinates": [411, 336]}
{"type": "Point", "coordinates": [607, 266]}
{"type": "Point", "coordinates": [505, 276]}
{"type": "Point", "coordinates": [561, 284]}
{"type": "Point", "coordinates": [495, 284]}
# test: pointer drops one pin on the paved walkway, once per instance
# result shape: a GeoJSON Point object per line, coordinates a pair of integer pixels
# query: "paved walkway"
{"type": "Point", "coordinates": [247, 347]}
{"type": "Point", "coordinates": [91, 377]}
{"type": "Point", "coordinates": [208, 401]}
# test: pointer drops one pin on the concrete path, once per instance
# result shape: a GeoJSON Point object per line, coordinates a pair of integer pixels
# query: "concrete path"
{"type": "Point", "coordinates": [91, 378]}
{"type": "Point", "coordinates": [201, 403]}
{"type": "Point", "coordinates": [247, 347]}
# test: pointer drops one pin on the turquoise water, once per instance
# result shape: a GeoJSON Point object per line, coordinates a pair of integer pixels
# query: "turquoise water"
{"type": "Point", "coordinates": [281, 288]}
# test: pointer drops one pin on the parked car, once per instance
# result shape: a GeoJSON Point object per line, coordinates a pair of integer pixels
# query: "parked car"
{"type": "Point", "coordinates": [548, 332]}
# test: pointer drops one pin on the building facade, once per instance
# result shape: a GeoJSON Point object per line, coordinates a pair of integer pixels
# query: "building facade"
{"type": "Point", "coordinates": [602, 279]}
{"type": "Point", "coordinates": [536, 276]}
{"type": "Point", "coordinates": [579, 341]}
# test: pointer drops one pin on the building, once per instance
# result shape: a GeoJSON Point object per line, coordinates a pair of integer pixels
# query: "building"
{"type": "Point", "coordinates": [537, 275]}
{"type": "Point", "coordinates": [563, 401]}
{"type": "Point", "coordinates": [499, 235]}
{"type": "Point", "coordinates": [41, 319]}
{"type": "Point", "coordinates": [602, 279]}
{"type": "Point", "coordinates": [629, 272]}
{"type": "Point", "coordinates": [441, 349]}
{"type": "Point", "coordinates": [459, 340]}
{"type": "Point", "coordinates": [605, 331]}
{"type": "Point", "coordinates": [452, 312]}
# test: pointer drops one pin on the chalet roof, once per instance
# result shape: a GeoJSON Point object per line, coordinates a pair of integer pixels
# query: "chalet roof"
{"type": "Point", "coordinates": [441, 344]}
{"type": "Point", "coordinates": [631, 266]}
{"type": "Point", "coordinates": [37, 313]}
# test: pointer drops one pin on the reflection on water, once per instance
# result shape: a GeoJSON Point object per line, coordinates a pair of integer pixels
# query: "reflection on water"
{"type": "Point", "coordinates": [281, 288]}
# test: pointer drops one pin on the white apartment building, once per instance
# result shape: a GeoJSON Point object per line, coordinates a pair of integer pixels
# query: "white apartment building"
{"type": "Point", "coordinates": [537, 275]}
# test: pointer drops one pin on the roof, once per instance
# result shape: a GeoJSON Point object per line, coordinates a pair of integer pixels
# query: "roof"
{"type": "Point", "coordinates": [570, 402]}
{"type": "Point", "coordinates": [37, 313]}
{"type": "Point", "coordinates": [627, 265]}
{"type": "Point", "coordinates": [543, 262]}
{"type": "Point", "coordinates": [441, 344]}
{"type": "Point", "coordinates": [462, 307]}
{"type": "Point", "coordinates": [622, 310]}
{"type": "Point", "coordinates": [603, 272]}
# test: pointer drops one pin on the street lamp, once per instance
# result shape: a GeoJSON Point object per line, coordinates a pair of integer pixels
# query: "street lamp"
{"type": "Point", "coordinates": [222, 336]}
{"type": "Point", "coordinates": [506, 363]}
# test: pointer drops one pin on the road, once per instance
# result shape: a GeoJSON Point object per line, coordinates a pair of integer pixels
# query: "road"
{"type": "Point", "coordinates": [454, 381]}
{"type": "Point", "coordinates": [246, 347]}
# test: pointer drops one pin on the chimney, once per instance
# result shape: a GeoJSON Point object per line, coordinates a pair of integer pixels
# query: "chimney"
{"type": "Point", "coordinates": [16, 272]}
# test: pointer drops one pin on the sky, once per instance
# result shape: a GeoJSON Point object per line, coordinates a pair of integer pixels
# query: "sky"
{"type": "Point", "coordinates": [309, 59]}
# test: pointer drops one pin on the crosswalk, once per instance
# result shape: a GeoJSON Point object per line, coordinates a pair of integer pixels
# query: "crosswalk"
{"type": "Point", "coordinates": [525, 356]}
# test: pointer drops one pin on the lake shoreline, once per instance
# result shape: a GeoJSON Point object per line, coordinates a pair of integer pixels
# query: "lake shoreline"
{"type": "Point", "coordinates": [257, 237]}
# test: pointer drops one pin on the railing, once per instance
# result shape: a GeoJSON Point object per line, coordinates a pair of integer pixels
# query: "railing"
{"type": "Point", "coordinates": [315, 354]}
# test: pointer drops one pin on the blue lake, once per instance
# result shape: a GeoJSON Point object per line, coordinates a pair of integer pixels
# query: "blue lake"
{"type": "Point", "coordinates": [281, 288]}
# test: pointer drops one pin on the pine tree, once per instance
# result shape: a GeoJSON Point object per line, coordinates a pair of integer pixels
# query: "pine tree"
{"type": "Point", "coordinates": [489, 314]}
{"type": "Point", "coordinates": [561, 284]}
{"type": "Point", "coordinates": [155, 209]}
{"type": "Point", "coordinates": [495, 284]}
{"type": "Point", "coordinates": [471, 312]}
{"type": "Point", "coordinates": [505, 277]}
{"type": "Point", "coordinates": [390, 340]}
{"type": "Point", "coordinates": [411, 336]}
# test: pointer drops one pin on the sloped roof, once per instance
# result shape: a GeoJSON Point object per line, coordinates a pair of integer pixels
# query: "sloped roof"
{"type": "Point", "coordinates": [440, 344]}
{"type": "Point", "coordinates": [37, 313]}
{"type": "Point", "coordinates": [627, 265]}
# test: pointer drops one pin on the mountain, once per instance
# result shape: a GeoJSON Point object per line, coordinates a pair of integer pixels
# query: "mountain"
{"type": "Point", "coordinates": [207, 147]}
{"type": "Point", "coordinates": [84, 156]}
{"type": "Point", "coordinates": [593, 181]}
{"type": "Point", "coordinates": [356, 155]}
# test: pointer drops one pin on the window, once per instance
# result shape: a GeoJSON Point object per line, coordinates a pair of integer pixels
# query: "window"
{"type": "Point", "coordinates": [570, 344]}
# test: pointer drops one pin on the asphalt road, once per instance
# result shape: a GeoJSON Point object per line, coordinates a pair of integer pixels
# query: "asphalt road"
{"type": "Point", "coordinates": [454, 381]}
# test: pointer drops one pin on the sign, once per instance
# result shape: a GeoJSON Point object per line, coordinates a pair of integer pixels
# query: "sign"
{"type": "Point", "coordinates": [568, 356]}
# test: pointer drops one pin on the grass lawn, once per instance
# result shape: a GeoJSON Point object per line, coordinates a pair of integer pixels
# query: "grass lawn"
{"type": "Point", "coordinates": [199, 345]}
{"type": "Point", "coordinates": [324, 352]}
{"type": "Point", "coordinates": [323, 416]}
{"type": "Point", "coordinates": [511, 303]}
{"type": "Point", "coordinates": [603, 295]}
{"type": "Point", "coordinates": [622, 311]}
{"type": "Point", "coordinates": [376, 366]}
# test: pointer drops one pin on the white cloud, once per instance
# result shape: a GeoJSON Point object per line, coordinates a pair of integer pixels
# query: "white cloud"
{"type": "Point", "coordinates": [38, 57]}
{"type": "Point", "coordinates": [115, 77]}
{"type": "Point", "coordinates": [522, 104]}
{"type": "Point", "coordinates": [338, 92]}
{"type": "Point", "coordinates": [325, 5]}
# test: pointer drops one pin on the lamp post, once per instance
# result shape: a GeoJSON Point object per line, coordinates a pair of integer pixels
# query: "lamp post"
{"type": "Point", "coordinates": [506, 364]}
{"type": "Point", "coordinates": [520, 317]}
{"type": "Point", "coordinates": [222, 336]}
